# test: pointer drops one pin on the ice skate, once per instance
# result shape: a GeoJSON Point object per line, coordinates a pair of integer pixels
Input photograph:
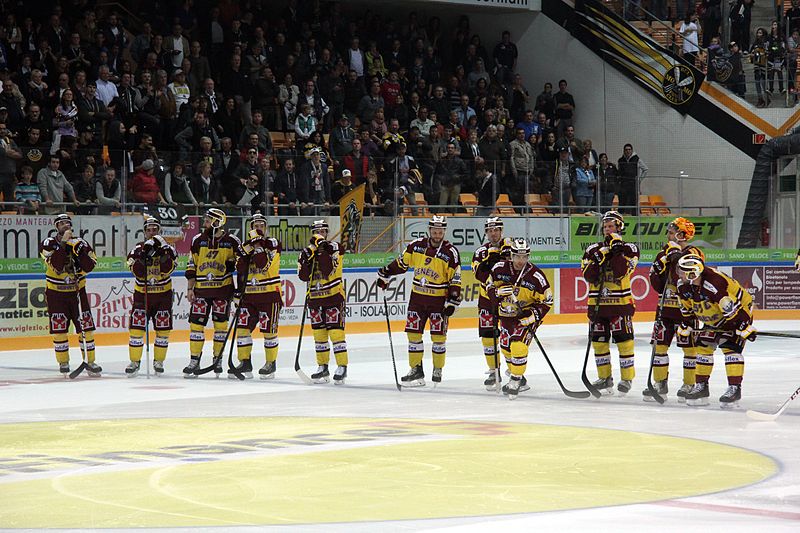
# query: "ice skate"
{"type": "Point", "coordinates": [245, 368]}
{"type": "Point", "coordinates": [513, 387]}
{"type": "Point", "coordinates": [414, 378]}
{"type": "Point", "coordinates": [436, 376]}
{"type": "Point", "coordinates": [93, 370]}
{"type": "Point", "coordinates": [698, 396]}
{"type": "Point", "coordinates": [190, 369]}
{"type": "Point", "coordinates": [624, 387]}
{"type": "Point", "coordinates": [267, 371]}
{"type": "Point", "coordinates": [731, 398]}
{"type": "Point", "coordinates": [604, 385]}
{"type": "Point", "coordinates": [217, 362]}
{"type": "Point", "coordinates": [683, 391]}
{"type": "Point", "coordinates": [321, 375]}
{"type": "Point", "coordinates": [340, 375]}
{"type": "Point", "coordinates": [491, 382]}
{"type": "Point", "coordinates": [522, 386]}
{"type": "Point", "coordinates": [64, 369]}
{"type": "Point", "coordinates": [158, 367]}
{"type": "Point", "coordinates": [661, 389]}
{"type": "Point", "coordinates": [132, 370]}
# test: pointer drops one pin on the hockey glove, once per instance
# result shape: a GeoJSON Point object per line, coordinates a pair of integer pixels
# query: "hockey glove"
{"type": "Point", "coordinates": [746, 331]}
{"type": "Point", "coordinates": [505, 290]}
{"type": "Point", "coordinates": [530, 316]}
{"type": "Point", "coordinates": [671, 251]}
{"type": "Point", "coordinates": [450, 308]}
{"type": "Point", "coordinates": [383, 278]}
{"type": "Point", "coordinates": [79, 247]}
{"type": "Point", "coordinates": [237, 298]}
{"type": "Point", "coordinates": [599, 255]}
{"type": "Point", "coordinates": [614, 243]}
{"type": "Point", "coordinates": [684, 329]}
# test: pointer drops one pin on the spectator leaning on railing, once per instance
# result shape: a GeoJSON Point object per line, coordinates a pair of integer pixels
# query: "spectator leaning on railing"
{"type": "Point", "coordinates": [54, 186]}
{"type": "Point", "coordinates": [145, 185]}
{"type": "Point", "coordinates": [108, 191]}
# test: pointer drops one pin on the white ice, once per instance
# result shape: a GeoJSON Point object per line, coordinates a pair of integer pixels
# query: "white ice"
{"type": "Point", "coordinates": [772, 373]}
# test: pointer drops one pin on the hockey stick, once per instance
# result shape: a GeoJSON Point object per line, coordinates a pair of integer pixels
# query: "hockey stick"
{"type": "Point", "coordinates": [81, 339]}
{"type": "Point", "coordinates": [769, 417]}
{"type": "Point", "coordinates": [497, 376]}
{"type": "Point", "coordinates": [209, 368]}
{"type": "Point", "coordinates": [588, 384]}
{"type": "Point", "coordinates": [302, 375]}
{"type": "Point", "coordinates": [656, 396]}
{"type": "Point", "coordinates": [571, 394]}
{"type": "Point", "coordinates": [391, 344]}
{"type": "Point", "coordinates": [758, 333]}
{"type": "Point", "coordinates": [232, 369]}
{"type": "Point", "coordinates": [146, 323]}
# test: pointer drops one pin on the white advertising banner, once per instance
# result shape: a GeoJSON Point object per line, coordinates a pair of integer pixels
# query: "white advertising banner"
{"type": "Point", "coordinates": [544, 234]}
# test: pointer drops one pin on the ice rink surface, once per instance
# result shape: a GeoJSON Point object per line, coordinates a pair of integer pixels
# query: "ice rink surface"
{"type": "Point", "coordinates": [31, 391]}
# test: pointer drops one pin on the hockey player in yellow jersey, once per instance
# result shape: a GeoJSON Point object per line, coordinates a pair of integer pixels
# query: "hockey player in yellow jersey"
{"type": "Point", "coordinates": [435, 294]}
{"type": "Point", "coordinates": [797, 261]}
{"type": "Point", "coordinates": [664, 277]}
{"type": "Point", "coordinates": [726, 311]}
{"type": "Point", "coordinates": [151, 262]}
{"type": "Point", "coordinates": [320, 265]}
{"type": "Point", "coordinates": [68, 259]}
{"type": "Point", "coordinates": [521, 294]}
{"type": "Point", "coordinates": [489, 254]}
{"type": "Point", "coordinates": [607, 267]}
{"type": "Point", "coordinates": [212, 260]}
{"type": "Point", "coordinates": [259, 291]}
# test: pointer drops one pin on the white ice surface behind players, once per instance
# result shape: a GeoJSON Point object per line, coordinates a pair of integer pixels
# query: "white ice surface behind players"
{"type": "Point", "coordinates": [34, 392]}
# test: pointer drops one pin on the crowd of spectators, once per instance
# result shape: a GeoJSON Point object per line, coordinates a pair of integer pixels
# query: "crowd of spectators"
{"type": "Point", "coordinates": [98, 111]}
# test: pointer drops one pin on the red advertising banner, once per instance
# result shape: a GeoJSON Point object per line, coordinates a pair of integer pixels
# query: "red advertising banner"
{"type": "Point", "coordinates": [575, 290]}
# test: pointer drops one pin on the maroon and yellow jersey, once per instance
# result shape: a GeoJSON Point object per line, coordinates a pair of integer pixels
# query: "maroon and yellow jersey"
{"type": "Point", "coordinates": [66, 263]}
{"type": "Point", "coordinates": [260, 259]}
{"type": "Point", "coordinates": [322, 270]}
{"type": "Point", "coordinates": [437, 272]}
{"type": "Point", "coordinates": [483, 260]}
{"type": "Point", "coordinates": [718, 301]}
{"type": "Point", "coordinates": [614, 274]}
{"type": "Point", "coordinates": [531, 290]}
{"type": "Point", "coordinates": [212, 261]}
{"type": "Point", "coordinates": [157, 270]}
{"type": "Point", "coordinates": [664, 276]}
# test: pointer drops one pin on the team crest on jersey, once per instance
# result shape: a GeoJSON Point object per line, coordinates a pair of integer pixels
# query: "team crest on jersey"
{"type": "Point", "coordinates": [86, 321]}
{"type": "Point", "coordinates": [316, 316]}
{"type": "Point", "coordinates": [412, 320]}
{"type": "Point", "coordinates": [138, 318]}
{"type": "Point", "coordinates": [263, 320]}
{"type": "Point", "coordinates": [244, 317]}
{"type": "Point", "coordinates": [332, 315]}
{"type": "Point", "coordinates": [58, 321]}
{"type": "Point", "coordinates": [486, 319]}
{"type": "Point", "coordinates": [162, 319]}
{"type": "Point", "coordinates": [437, 323]}
{"type": "Point", "coordinates": [199, 307]}
{"type": "Point", "coordinates": [219, 306]}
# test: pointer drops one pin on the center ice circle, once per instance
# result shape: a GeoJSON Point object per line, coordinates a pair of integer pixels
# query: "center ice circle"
{"type": "Point", "coordinates": [275, 471]}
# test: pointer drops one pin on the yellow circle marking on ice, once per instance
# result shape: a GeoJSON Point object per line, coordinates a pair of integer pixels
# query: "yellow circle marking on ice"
{"type": "Point", "coordinates": [267, 471]}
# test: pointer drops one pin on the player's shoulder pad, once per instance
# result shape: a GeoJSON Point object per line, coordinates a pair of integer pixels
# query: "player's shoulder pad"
{"type": "Point", "coordinates": [537, 274]}
{"type": "Point", "coordinates": [631, 248]}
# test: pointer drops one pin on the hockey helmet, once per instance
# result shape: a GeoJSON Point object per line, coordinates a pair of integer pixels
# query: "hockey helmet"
{"type": "Point", "coordinates": [520, 246]}
{"type": "Point", "coordinates": [319, 225]}
{"type": "Point", "coordinates": [63, 217]}
{"type": "Point", "coordinates": [437, 221]}
{"type": "Point", "coordinates": [684, 226]}
{"type": "Point", "coordinates": [692, 265]}
{"type": "Point", "coordinates": [616, 217]}
{"type": "Point", "coordinates": [257, 217]}
{"type": "Point", "coordinates": [217, 217]}
{"type": "Point", "coordinates": [493, 222]}
{"type": "Point", "coordinates": [151, 221]}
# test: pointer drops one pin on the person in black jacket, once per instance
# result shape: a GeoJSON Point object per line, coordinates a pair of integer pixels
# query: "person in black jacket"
{"type": "Point", "coordinates": [314, 185]}
{"type": "Point", "coordinates": [606, 182]}
{"type": "Point", "coordinates": [286, 189]}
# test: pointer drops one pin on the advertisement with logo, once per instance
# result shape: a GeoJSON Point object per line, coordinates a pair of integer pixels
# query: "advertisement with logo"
{"type": "Point", "coordinates": [770, 287]}
{"type": "Point", "coordinates": [574, 291]}
{"type": "Point", "coordinates": [649, 233]}
{"type": "Point", "coordinates": [467, 233]}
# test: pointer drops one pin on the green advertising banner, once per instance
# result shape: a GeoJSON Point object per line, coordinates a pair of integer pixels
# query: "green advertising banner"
{"type": "Point", "coordinates": [649, 233]}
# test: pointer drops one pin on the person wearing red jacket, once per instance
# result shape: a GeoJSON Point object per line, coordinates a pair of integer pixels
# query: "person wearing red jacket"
{"type": "Point", "coordinates": [145, 185]}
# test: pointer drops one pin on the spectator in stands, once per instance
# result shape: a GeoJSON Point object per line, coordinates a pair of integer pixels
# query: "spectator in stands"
{"type": "Point", "coordinates": [319, 109]}
{"type": "Point", "coordinates": [189, 138]}
{"type": "Point", "coordinates": [92, 111]}
{"type": "Point", "coordinates": [304, 126]}
{"type": "Point", "coordinates": [370, 103]}
{"type": "Point", "coordinates": [422, 121]}
{"type": "Point", "coordinates": [572, 143]}
{"type": "Point", "coordinates": [339, 189]}
{"type": "Point", "coordinates": [527, 124]}
{"type": "Point", "coordinates": [266, 93]}
{"type": "Point", "coordinates": [375, 65]}
{"type": "Point", "coordinates": [108, 192]}
{"type": "Point", "coordinates": [487, 189]}
{"type": "Point", "coordinates": [286, 189]}
{"type": "Point", "coordinates": [106, 91]}
{"type": "Point", "coordinates": [204, 187]}
{"type": "Point", "coordinates": [523, 162]}
{"type": "Point", "coordinates": [606, 182]}
{"type": "Point", "coordinates": [34, 119]}
{"type": "Point", "coordinates": [85, 191]}
{"type": "Point", "coordinates": [792, 15]}
{"type": "Point", "coordinates": [631, 170]}
{"type": "Point", "coordinates": [356, 59]}
{"type": "Point", "coordinates": [33, 150]}
{"type": "Point", "coordinates": [227, 120]}
{"type": "Point", "coordinates": [584, 185]}
{"type": "Point", "coordinates": [494, 151]}
{"type": "Point", "coordinates": [712, 16]}
{"type": "Point", "coordinates": [10, 154]}
{"type": "Point", "coordinates": [565, 108]}
{"type": "Point", "coordinates": [27, 193]}
{"type": "Point", "coordinates": [472, 156]}
{"type": "Point", "coordinates": [505, 58]}
{"type": "Point", "coordinates": [368, 145]}
{"type": "Point", "coordinates": [314, 184]}
{"type": "Point", "coordinates": [342, 138]}
{"type": "Point", "coordinates": [54, 187]}
{"type": "Point", "coordinates": [562, 180]}
{"type": "Point", "coordinates": [545, 103]}
{"type": "Point", "coordinates": [66, 117]}
{"type": "Point", "coordinates": [464, 111]}
{"type": "Point", "coordinates": [451, 172]}
{"type": "Point", "coordinates": [688, 31]}
{"type": "Point", "coordinates": [358, 163]}
{"type": "Point", "coordinates": [257, 127]}
{"type": "Point", "coordinates": [179, 89]}
{"type": "Point", "coordinates": [145, 187]}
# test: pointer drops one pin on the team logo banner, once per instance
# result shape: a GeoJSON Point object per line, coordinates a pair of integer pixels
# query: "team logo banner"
{"type": "Point", "coordinates": [665, 74]}
{"type": "Point", "coordinates": [351, 213]}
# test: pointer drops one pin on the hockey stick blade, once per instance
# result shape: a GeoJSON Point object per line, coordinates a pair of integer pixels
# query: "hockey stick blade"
{"type": "Point", "coordinates": [769, 417]}
{"type": "Point", "coordinates": [566, 391]}
{"type": "Point", "coordinates": [302, 375]}
{"type": "Point", "coordinates": [75, 373]}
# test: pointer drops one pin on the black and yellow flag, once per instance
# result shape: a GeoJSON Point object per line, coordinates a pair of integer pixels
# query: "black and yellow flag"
{"type": "Point", "coordinates": [351, 213]}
